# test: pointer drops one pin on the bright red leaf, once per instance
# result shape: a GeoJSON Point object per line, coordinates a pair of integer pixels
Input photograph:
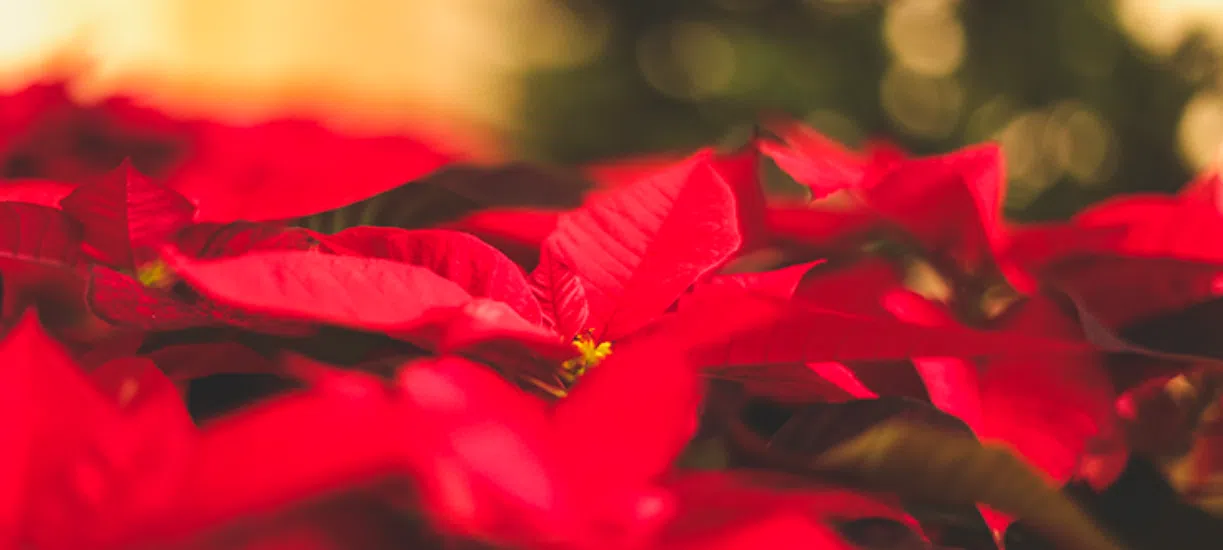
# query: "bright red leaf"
{"type": "Point", "coordinates": [474, 266]}
{"type": "Point", "coordinates": [637, 248]}
{"type": "Point", "coordinates": [349, 291]}
{"type": "Point", "coordinates": [286, 169]}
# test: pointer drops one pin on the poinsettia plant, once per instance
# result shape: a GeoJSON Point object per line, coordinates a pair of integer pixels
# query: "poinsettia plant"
{"type": "Point", "coordinates": [654, 353]}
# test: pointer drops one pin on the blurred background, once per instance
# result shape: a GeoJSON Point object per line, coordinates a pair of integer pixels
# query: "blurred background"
{"type": "Point", "coordinates": [1088, 97]}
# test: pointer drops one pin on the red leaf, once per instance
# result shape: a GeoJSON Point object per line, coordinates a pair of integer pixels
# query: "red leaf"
{"type": "Point", "coordinates": [630, 442]}
{"type": "Point", "coordinates": [41, 192]}
{"type": "Point", "coordinates": [126, 214]}
{"type": "Point", "coordinates": [1119, 290]}
{"type": "Point", "coordinates": [821, 229]}
{"type": "Point", "coordinates": [38, 234]}
{"type": "Point", "coordinates": [288, 169]}
{"type": "Point", "coordinates": [769, 332]}
{"type": "Point", "coordinates": [1158, 225]}
{"type": "Point", "coordinates": [490, 463]}
{"type": "Point", "coordinates": [778, 283]}
{"type": "Point", "coordinates": [952, 383]}
{"type": "Point", "coordinates": [121, 300]}
{"type": "Point", "coordinates": [56, 415]}
{"type": "Point", "coordinates": [561, 297]}
{"type": "Point", "coordinates": [637, 248]}
{"type": "Point", "coordinates": [951, 203]}
{"type": "Point", "coordinates": [814, 160]}
{"type": "Point", "coordinates": [741, 172]}
{"type": "Point", "coordinates": [474, 266]}
{"type": "Point", "coordinates": [349, 291]}
{"type": "Point", "coordinates": [1049, 409]}
{"type": "Point", "coordinates": [283, 450]}
{"type": "Point", "coordinates": [517, 233]}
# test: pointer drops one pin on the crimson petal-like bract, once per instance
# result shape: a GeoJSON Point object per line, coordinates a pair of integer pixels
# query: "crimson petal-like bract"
{"type": "Point", "coordinates": [348, 291]}
{"type": "Point", "coordinates": [126, 216]}
{"type": "Point", "coordinates": [638, 247]}
{"type": "Point", "coordinates": [479, 269]}
{"type": "Point", "coordinates": [285, 169]}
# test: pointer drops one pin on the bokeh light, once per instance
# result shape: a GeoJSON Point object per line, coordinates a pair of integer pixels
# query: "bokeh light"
{"type": "Point", "coordinates": [925, 36]}
{"type": "Point", "coordinates": [1080, 143]}
{"type": "Point", "coordinates": [687, 59]}
{"type": "Point", "coordinates": [921, 105]}
{"type": "Point", "coordinates": [1200, 132]}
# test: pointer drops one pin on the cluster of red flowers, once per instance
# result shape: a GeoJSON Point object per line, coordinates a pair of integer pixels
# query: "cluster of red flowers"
{"type": "Point", "coordinates": [551, 389]}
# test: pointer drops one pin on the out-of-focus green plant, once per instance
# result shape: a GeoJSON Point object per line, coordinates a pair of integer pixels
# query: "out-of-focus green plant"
{"type": "Point", "coordinates": [1082, 110]}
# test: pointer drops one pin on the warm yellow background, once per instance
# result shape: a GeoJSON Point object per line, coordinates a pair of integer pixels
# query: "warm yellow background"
{"type": "Point", "coordinates": [383, 64]}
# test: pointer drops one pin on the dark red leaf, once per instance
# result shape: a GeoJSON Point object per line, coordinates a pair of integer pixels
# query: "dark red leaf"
{"type": "Point", "coordinates": [561, 296]}
{"type": "Point", "coordinates": [1119, 290]}
{"type": "Point", "coordinates": [126, 215]}
{"type": "Point", "coordinates": [637, 248]}
{"type": "Point", "coordinates": [735, 509]}
{"type": "Point", "coordinates": [191, 361]}
{"type": "Point", "coordinates": [38, 234]}
{"type": "Point", "coordinates": [470, 263]}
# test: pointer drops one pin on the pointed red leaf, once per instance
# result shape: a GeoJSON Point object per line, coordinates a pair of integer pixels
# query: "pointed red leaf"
{"type": "Point", "coordinates": [287, 169]}
{"type": "Point", "coordinates": [349, 291]}
{"type": "Point", "coordinates": [561, 297]}
{"type": "Point", "coordinates": [951, 203]}
{"type": "Point", "coordinates": [814, 160]}
{"type": "Point", "coordinates": [741, 171]}
{"type": "Point", "coordinates": [126, 214]}
{"type": "Point", "coordinates": [637, 248]}
{"type": "Point", "coordinates": [473, 265]}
